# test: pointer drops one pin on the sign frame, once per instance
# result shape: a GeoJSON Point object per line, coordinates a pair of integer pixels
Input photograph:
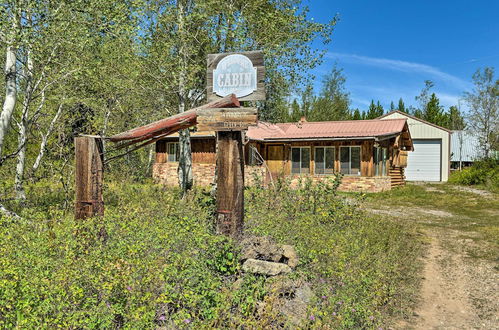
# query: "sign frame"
{"type": "Point", "coordinates": [256, 58]}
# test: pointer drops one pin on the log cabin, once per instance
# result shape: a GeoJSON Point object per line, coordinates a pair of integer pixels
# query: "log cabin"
{"type": "Point", "coordinates": [370, 154]}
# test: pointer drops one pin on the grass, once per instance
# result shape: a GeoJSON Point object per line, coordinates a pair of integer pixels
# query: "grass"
{"type": "Point", "coordinates": [474, 215]}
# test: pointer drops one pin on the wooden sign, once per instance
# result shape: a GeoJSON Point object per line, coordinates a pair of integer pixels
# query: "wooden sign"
{"type": "Point", "coordinates": [226, 119]}
{"type": "Point", "coordinates": [242, 74]}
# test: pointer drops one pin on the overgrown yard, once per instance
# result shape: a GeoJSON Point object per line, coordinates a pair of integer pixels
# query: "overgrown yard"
{"type": "Point", "coordinates": [154, 261]}
{"type": "Point", "coordinates": [461, 227]}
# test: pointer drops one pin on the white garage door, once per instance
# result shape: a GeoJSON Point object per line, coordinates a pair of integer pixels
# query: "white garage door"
{"type": "Point", "coordinates": [423, 163]}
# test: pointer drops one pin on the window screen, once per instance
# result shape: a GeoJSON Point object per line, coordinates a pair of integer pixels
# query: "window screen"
{"type": "Point", "coordinates": [300, 160]}
{"type": "Point", "coordinates": [324, 160]}
{"type": "Point", "coordinates": [350, 160]}
{"type": "Point", "coordinates": [172, 149]}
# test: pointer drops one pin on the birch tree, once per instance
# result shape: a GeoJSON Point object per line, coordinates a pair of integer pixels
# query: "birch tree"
{"type": "Point", "coordinates": [10, 29]}
{"type": "Point", "coordinates": [483, 104]}
{"type": "Point", "coordinates": [179, 34]}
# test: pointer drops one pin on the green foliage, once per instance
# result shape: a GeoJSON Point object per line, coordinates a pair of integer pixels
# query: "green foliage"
{"type": "Point", "coordinates": [401, 106]}
{"type": "Point", "coordinates": [153, 260]}
{"type": "Point", "coordinates": [333, 101]}
{"type": "Point", "coordinates": [483, 172]}
{"type": "Point", "coordinates": [374, 111]}
{"type": "Point", "coordinates": [483, 105]}
{"type": "Point", "coordinates": [355, 263]}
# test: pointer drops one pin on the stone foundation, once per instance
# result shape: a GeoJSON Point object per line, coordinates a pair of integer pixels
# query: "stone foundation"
{"type": "Point", "coordinates": [166, 173]}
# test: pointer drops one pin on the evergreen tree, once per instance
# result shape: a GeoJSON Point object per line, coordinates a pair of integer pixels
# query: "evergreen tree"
{"type": "Point", "coordinates": [392, 106]}
{"type": "Point", "coordinates": [401, 106]}
{"type": "Point", "coordinates": [296, 113]}
{"type": "Point", "coordinates": [307, 100]}
{"type": "Point", "coordinates": [455, 120]}
{"type": "Point", "coordinates": [374, 111]}
{"type": "Point", "coordinates": [356, 115]}
{"type": "Point", "coordinates": [434, 113]}
{"type": "Point", "coordinates": [379, 110]}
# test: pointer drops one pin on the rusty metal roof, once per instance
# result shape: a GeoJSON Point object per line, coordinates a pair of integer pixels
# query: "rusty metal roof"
{"type": "Point", "coordinates": [374, 128]}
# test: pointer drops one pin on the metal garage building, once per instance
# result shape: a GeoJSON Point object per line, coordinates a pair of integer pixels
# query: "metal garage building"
{"type": "Point", "coordinates": [430, 160]}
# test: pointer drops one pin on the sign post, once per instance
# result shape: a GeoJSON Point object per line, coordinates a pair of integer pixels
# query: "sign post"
{"type": "Point", "coordinates": [241, 74]}
{"type": "Point", "coordinates": [88, 177]}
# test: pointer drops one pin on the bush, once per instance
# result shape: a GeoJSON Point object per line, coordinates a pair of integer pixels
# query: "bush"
{"type": "Point", "coordinates": [356, 263]}
{"type": "Point", "coordinates": [483, 172]}
{"type": "Point", "coordinates": [154, 260]}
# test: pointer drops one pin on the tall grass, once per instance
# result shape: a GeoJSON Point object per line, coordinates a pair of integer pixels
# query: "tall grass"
{"type": "Point", "coordinates": [154, 260]}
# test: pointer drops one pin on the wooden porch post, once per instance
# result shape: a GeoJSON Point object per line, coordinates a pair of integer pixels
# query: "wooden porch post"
{"type": "Point", "coordinates": [88, 177]}
{"type": "Point", "coordinates": [230, 184]}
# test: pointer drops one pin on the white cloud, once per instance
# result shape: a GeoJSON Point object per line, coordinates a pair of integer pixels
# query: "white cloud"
{"type": "Point", "coordinates": [403, 66]}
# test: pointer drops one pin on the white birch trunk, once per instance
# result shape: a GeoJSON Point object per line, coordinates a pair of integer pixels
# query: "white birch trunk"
{"type": "Point", "coordinates": [43, 144]}
{"type": "Point", "coordinates": [23, 130]}
{"type": "Point", "coordinates": [185, 176]}
{"type": "Point", "coordinates": [10, 93]}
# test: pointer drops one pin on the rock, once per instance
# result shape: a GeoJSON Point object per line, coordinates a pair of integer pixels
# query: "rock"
{"type": "Point", "coordinates": [265, 267]}
{"type": "Point", "coordinates": [261, 248]}
{"type": "Point", "coordinates": [294, 298]}
{"type": "Point", "coordinates": [290, 256]}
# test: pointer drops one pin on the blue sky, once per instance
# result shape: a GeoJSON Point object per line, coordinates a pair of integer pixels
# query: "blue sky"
{"type": "Point", "coordinates": [389, 48]}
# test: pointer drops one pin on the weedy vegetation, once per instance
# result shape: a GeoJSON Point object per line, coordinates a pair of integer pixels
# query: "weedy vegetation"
{"type": "Point", "coordinates": [154, 260]}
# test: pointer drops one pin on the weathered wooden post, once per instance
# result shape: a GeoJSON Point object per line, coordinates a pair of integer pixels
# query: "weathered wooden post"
{"type": "Point", "coordinates": [230, 184]}
{"type": "Point", "coordinates": [229, 123]}
{"type": "Point", "coordinates": [88, 177]}
{"type": "Point", "coordinates": [243, 75]}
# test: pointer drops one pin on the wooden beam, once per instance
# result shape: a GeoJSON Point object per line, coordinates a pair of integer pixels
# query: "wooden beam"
{"type": "Point", "coordinates": [88, 177]}
{"type": "Point", "coordinates": [179, 121]}
{"type": "Point", "coordinates": [230, 184]}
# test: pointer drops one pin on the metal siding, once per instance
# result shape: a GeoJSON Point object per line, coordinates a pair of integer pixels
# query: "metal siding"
{"type": "Point", "coordinates": [465, 147]}
{"type": "Point", "coordinates": [420, 130]}
{"type": "Point", "coordinates": [423, 163]}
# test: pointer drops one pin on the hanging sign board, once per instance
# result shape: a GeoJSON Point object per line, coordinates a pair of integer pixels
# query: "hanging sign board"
{"type": "Point", "coordinates": [226, 119]}
{"type": "Point", "coordinates": [242, 74]}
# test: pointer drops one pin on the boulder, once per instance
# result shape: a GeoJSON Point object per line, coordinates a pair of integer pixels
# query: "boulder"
{"type": "Point", "coordinates": [261, 248]}
{"type": "Point", "coordinates": [290, 256]}
{"type": "Point", "coordinates": [295, 310]}
{"type": "Point", "coordinates": [265, 267]}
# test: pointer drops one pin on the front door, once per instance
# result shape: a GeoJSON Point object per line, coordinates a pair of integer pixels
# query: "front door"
{"type": "Point", "coordinates": [275, 160]}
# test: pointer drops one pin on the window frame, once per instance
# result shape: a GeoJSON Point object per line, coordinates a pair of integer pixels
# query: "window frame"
{"type": "Point", "coordinates": [309, 161]}
{"type": "Point", "coordinates": [359, 173]}
{"type": "Point", "coordinates": [324, 154]}
{"type": "Point", "coordinates": [175, 155]}
{"type": "Point", "coordinates": [380, 161]}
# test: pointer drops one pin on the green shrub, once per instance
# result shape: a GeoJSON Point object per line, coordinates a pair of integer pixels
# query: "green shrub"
{"type": "Point", "coordinates": [154, 260]}
{"type": "Point", "coordinates": [356, 263]}
{"type": "Point", "coordinates": [483, 172]}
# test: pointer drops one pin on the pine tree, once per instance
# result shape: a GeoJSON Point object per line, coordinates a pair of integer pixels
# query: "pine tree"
{"type": "Point", "coordinates": [401, 106]}
{"type": "Point", "coordinates": [375, 110]}
{"type": "Point", "coordinates": [296, 113]}
{"type": "Point", "coordinates": [433, 112]}
{"type": "Point", "coordinates": [379, 110]}
{"type": "Point", "coordinates": [356, 115]}
{"type": "Point", "coordinates": [455, 119]}
{"type": "Point", "coordinates": [392, 106]}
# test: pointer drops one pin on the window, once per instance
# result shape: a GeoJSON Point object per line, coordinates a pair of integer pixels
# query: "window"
{"type": "Point", "coordinates": [380, 157]}
{"type": "Point", "coordinates": [253, 156]}
{"type": "Point", "coordinates": [300, 160]}
{"type": "Point", "coordinates": [350, 160]}
{"type": "Point", "coordinates": [172, 150]}
{"type": "Point", "coordinates": [324, 160]}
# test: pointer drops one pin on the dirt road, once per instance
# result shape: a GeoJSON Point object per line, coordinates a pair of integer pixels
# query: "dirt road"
{"type": "Point", "coordinates": [459, 286]}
